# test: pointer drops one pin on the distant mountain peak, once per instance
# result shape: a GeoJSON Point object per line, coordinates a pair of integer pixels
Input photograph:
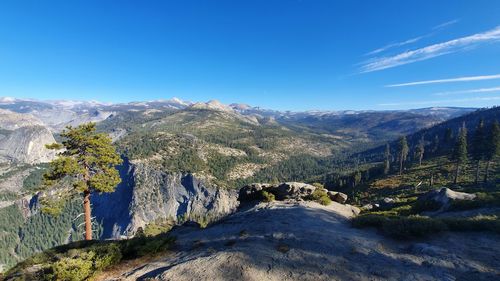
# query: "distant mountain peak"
{"type": "Point", "coordinates": [7, 100]}
{"type": "Point", "coordinates": [212, 105]}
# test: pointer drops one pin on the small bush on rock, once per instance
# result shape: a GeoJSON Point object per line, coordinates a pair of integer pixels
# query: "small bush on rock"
{"type": "Point", "coordinates": [267, 196]}
{"type": "Point", "coordinates": [320, 196]}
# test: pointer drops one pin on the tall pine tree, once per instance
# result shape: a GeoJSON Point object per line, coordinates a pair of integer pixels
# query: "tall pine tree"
{"type": "Point", "coordinates": [478, 147]}
{"type": "Point", "coordinates": [403, 152]}
{"type": "Point", "coordinates": [492, 147]}
{"type": "Point", "coordinates": [88, 161]}
{"type": "Point", "coordinates": [459, 154]}
{"type": "Point", "coordinates": [387, 159]}
{"type": "Point", "coordinates": [420, 150]}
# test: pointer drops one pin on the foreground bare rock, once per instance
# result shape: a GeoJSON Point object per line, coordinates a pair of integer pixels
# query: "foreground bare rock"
{"type": "Point", "coordinates": [307, 241]}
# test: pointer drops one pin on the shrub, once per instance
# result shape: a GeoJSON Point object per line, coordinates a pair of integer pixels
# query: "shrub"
{"type": "Point", "coordinates": [320, 196]}
{"type": "Point", "coordinates": [324, 200]}
{"type": "Point", "coordinates": [158, 226]}
{"type": "Point", "coordinates": [267, 196]}
{"type": "Point", "coordinates": [72, 269]}
{"type": "Point", "coordinates": [425, 206]}
{"type": "Point", "coordinates": [479, 223]}
{"type": "Point", "coordinates": [82, 260]}
{"type": "Point", "coordinates": [318, 185]}
{"type": "Point", "coordinates": [141, 246]}
{"type": "Point", "coordinates": [407, 227]}
{"type": "Point", "coordinates": [368, 221]}
{"type": "Point", "coordinates": [78, 264]}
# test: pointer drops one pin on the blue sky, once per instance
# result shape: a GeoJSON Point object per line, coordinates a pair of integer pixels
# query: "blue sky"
{"type": "Point", "coordinates": [288, 55]}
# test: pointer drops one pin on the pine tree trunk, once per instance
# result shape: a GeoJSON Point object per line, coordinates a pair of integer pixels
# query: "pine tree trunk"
{"type": "Point", "coordinates": [457, 170]}
{"type": "Point", "coordinates": [88, 222]}
{"type": "Point", "coordinates": [420, 160]}
{"type": "Point", "coordinates": [477, 172]}
{"type": "Point", "coordinates": [487, 171]}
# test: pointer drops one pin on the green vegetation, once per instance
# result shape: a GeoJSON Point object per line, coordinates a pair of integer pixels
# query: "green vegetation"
{"type": "Point", "coordinates": [89, 161]}
{"type": "Point", "coordinates": [320, 196]}
{"type": "Point", "coordinates": [85, 259]}
{"type": "Point", "coordinates": [158, 226]}
{"type": "Point", "coordinates": [418, 226]}
{"type": "Point", "coordinates": [459, 155]}
{"type": "Point", "coordinates": [21, 237]}
{"type": "Point", "coordinates": [267, 196]}
{"type": "Point", "coordinates": [34, 181]}
{"type": "Point", "coordinates": [403, 152]}
{"type": "Point", "coordinates": [444, 164]}
{"type": "Point", "coordinates": [11, 219]}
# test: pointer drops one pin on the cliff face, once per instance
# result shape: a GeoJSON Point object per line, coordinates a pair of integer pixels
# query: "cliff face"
{"type": "Point", "coordinates": [23, 139]}
{"type": "Point", "coordinates": [147, 194]}
{"type": "Point", "coordinates": [27, 145]}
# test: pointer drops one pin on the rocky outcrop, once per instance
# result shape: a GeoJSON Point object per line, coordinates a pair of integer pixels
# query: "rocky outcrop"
{"type": "Point", "coordinates": [441, 198]}
{"type": "Point", "coordinates": [286, 191]}
{"type": "Point", "coordinates": [147, 194]}
{"type": "Point", "coordinates": [23, 139]}
{"type": "Point", "coordinates": [338, 197]}
{"type": "Point", "coordinates": [27, 145]}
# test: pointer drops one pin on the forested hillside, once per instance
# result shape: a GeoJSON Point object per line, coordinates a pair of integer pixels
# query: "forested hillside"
{"type": "Point", "coordinates": [431, 156]}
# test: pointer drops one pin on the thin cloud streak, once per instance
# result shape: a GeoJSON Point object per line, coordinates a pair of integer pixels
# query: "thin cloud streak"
{"type": "Point", "coordinates": [450, 80]}
{"type": "Point", "coordinates": [432, 51]}
{"type": "Point", "coordinates": [412, 40]}
{"type": "Point", "coordinates": [445, 24]}
{"type": "Point", "coordinates": [473, 91]}
{"type": "Point", "coordinates": [398, 44]}
{"type": "Point", "coordinates": [441, 101]}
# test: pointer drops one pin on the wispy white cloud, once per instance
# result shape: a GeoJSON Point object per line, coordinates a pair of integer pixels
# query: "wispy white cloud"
{"type": "Point", "coordinates": [393, 45]}
{"type": "Point", "coordinates": [432, 51]}
{"type": "Point", "coordinates": [449, 80]}
{"type": "Point", "coordinates": [412, 40]}
{"type": "Point", "coordinates": [445, 24]}
{"type": "Point", "coordinates": [437, 102]}
{"type": "Point", "coordinates": [472, 91]}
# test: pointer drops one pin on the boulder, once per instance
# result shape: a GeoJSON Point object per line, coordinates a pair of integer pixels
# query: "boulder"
{"type": "Point", "coordinates": [367, 207]}
{"type": "Point", "coordinates": [292, 190]}
{"type": "Point", "coordinates": [286, 191]}
{"type": "Point", "coordinates": [250, 192]}
{"type": "Point", "coordinates": [444, 196]}
{"type": "Point", "coordinates": [331, 194]}
{"type": "Point", "coordinates": [340, 198]}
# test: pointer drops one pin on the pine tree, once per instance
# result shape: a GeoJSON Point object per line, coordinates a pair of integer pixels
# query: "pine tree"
{"type": "Point", "coordinates": [478, 147]}
{"type": "Point", "coordinates": [356, 178]}
{"type": "Point", "coordinates": [492, 147]}
{"type": "Point", "coordinates": [448, 136]}
{"type": "Point", "coordinates": [420, 150]}
{"type": "Point", "coordinates": [89, 161]}
{"type": "Point", "coordinates": [387, 159]}
{"type": "Point", "coordinates": [459, 154]}
{"type": "Point", "coordinates": [435, 144]}
{"type": "Point", "coordinates": [403, 153]}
